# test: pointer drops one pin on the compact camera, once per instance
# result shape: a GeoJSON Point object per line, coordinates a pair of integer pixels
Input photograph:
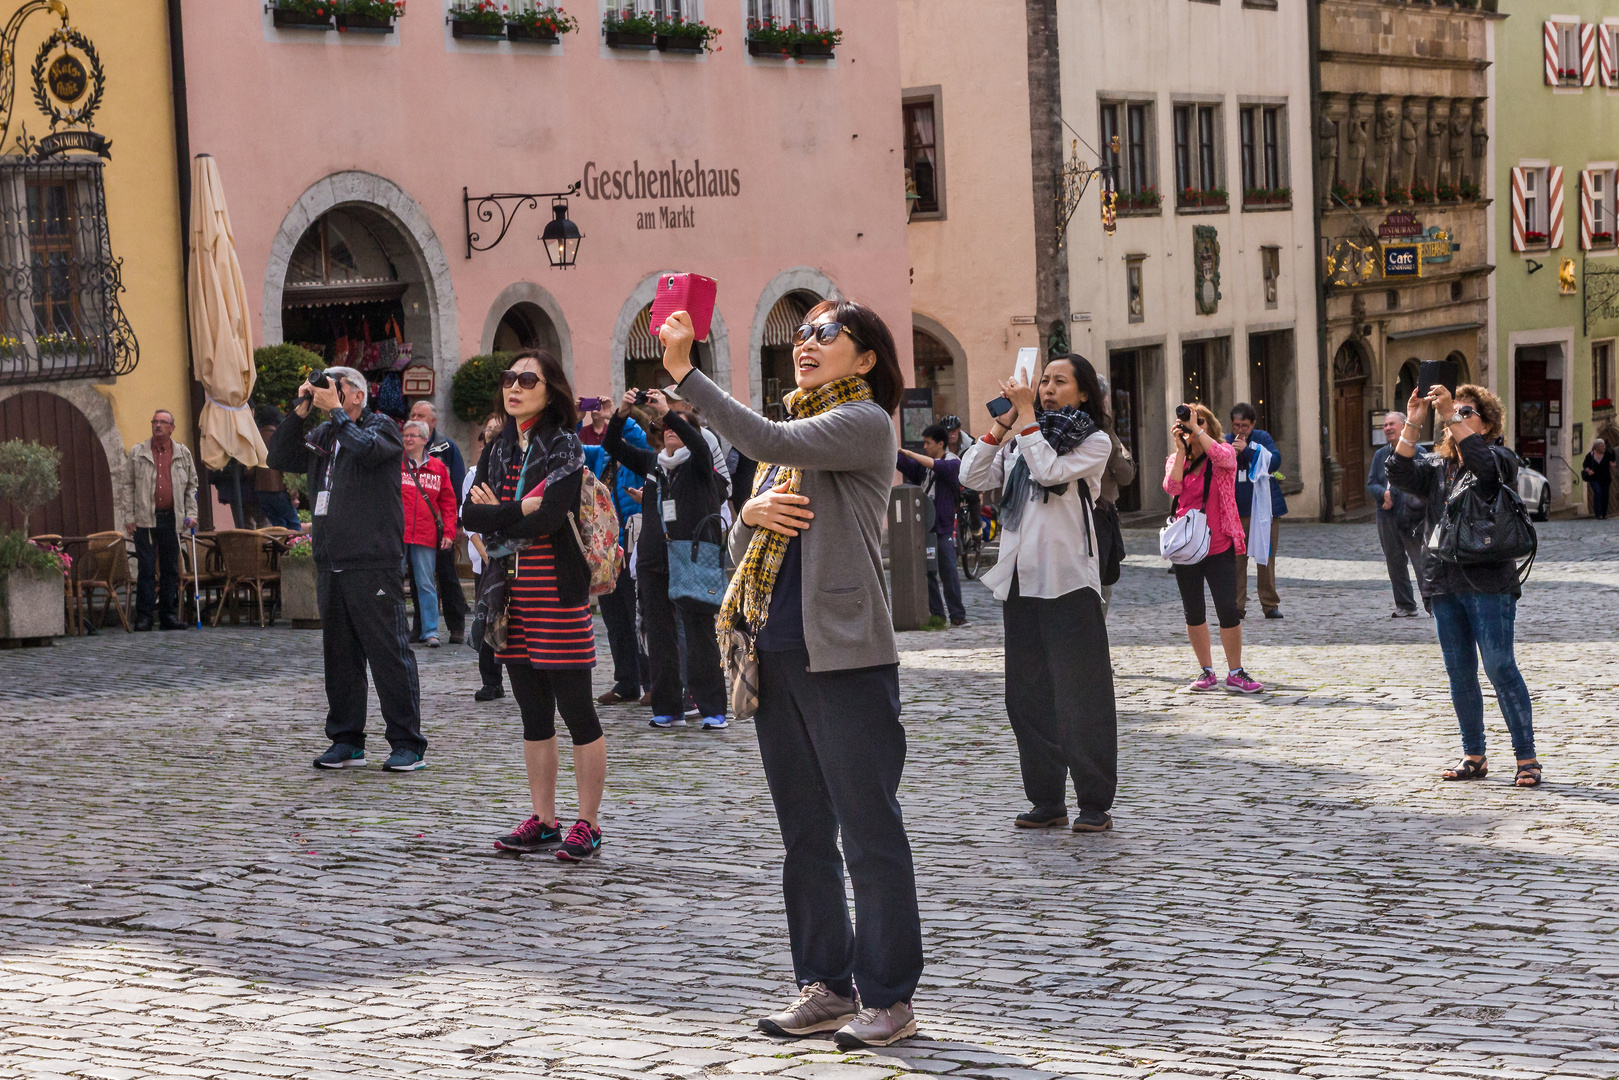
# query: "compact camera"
{"type": "Point", "coordinates": [641, 397]}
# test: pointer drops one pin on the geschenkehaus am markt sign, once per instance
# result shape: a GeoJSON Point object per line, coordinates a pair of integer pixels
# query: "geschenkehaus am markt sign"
{"type": "Point", "coordinates": [60, 313]}
{"type": "Point", "coordinates": [672, 186]}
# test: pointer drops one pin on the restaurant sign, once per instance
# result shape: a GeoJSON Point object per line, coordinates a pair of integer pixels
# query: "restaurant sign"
{"type": "Point", "coordinates": [1399, 225]}
{"type": "Point", "coordinates": [68, 83]}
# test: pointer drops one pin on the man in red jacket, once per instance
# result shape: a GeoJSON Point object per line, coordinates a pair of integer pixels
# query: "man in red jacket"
{"type": "Point", "coordinates": [430, 503]}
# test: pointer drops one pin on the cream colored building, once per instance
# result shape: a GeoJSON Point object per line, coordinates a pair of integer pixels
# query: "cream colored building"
{"type": "Point", "coordinates": [1205, 292]}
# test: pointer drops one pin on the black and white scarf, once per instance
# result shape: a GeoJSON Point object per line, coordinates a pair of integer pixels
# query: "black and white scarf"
{"type": "Point", "coordinates": [1063, 429]}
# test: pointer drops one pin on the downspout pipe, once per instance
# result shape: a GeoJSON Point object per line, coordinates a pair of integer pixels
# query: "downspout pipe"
{"type": "Point", "coordinates": [182, 176]}
{"type": "Point", "coordinates": [1323, 362]}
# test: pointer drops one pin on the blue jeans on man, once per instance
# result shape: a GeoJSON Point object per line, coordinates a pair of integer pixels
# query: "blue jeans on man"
{"type": "Point", "coordinates": [421, 563]}
{"type": "Point", "coordinates": [949, 576]}
{"type": "Point", "coordinates": [1474, 625]}
{"type": "Point", "coordinates": [277, 508]}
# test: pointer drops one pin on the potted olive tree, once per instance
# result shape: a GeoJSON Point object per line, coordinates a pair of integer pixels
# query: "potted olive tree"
{"type": "Point", "coordinates": [31, 594]}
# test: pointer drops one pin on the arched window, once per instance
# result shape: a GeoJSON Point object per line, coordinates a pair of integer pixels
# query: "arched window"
{"type": "Point", "coordinates": [776, 353]}
{"type": "Point", "coordinates": [1407, 384]}
{"type": "Point", "coordinates": [935, 369]}
{"type": "Point", "coordinates": [643, 356]}
{"type": "Point", "coordinates": [527, 326]}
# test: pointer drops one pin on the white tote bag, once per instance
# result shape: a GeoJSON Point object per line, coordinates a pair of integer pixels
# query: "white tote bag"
{"type": "Point", "coordinates": [1185, 539]}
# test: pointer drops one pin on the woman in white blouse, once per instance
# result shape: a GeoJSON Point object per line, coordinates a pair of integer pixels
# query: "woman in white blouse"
{"type": "Point", "coordinates": [1048, 459]}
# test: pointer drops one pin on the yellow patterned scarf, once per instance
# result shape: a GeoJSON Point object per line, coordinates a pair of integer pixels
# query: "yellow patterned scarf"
{"type": "Point", "coordinates": [749, 593]}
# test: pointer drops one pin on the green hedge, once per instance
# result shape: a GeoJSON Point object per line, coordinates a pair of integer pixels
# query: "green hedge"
{"type": "Point", "coordinates": [281, 370]}
{"type": "Point", "coordinates": [475, 386]}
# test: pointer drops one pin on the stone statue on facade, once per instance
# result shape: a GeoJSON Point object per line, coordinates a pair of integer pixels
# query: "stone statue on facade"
{"type": "Point", "coordinates": [1383, 132]}
{"type": "Point", "coordinates": [1327, 134]}
{"type": "Point", "coordinates": [1408, 142]}
{"type": "Point", "coordinates": [1481, 142]}
{"type": "Point", "coordinates": [1355, 175]}
{"type": "Point", "coordinates": [1435, 145]}
{"type": "Point", "coordinates": [1461, 114]}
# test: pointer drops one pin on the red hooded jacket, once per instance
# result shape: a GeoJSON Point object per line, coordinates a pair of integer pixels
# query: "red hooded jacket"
{"type": "Point", "coordinates": [435, 481]}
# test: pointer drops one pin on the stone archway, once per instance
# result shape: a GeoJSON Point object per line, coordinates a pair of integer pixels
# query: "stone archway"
{"type": "Point", "coordinates": [939, 362]}
{"type": "Point", "coordinates": [718, 344]}
{"type": "Point", "coordinates": [386, 201]}
{"type": "Point", "coordinates": [804, 279]}
{"type": "Point", "coordinates": [78, 421]}
{"type": "Point", "coordinates": [540, 308]}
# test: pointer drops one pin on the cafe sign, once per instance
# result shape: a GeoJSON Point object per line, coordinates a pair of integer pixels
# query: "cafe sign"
{"type": "Point", "coordinates": [69, 84]}
{"type": "Point", "coordinates": [1402, 260]}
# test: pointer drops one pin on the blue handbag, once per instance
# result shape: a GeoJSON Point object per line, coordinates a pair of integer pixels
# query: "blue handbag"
{"type": "Point", "coordinates": [697, 569]}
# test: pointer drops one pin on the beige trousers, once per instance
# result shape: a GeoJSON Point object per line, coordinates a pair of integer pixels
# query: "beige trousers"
{"type": "Point", "coordinates": [1267, 573]}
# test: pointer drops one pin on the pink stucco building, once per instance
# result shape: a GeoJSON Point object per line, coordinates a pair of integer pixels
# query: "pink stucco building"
{"type": "Point", "coordinates": [345, 156]}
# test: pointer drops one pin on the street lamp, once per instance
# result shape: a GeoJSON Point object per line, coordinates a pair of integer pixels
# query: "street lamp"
{"type": "Point", "coordinates": [561, 236]}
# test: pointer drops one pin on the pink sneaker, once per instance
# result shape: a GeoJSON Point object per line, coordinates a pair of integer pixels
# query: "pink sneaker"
{"type": "Point", "coordinates": [1206, 681]}
{"type": "Point", "coordinates": [1238, 682]}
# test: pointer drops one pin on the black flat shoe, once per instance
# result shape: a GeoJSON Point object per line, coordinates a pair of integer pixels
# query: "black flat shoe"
{"type": "Point", "coordinates": [489, 693]}
{"type": "Point", "coordinates": [1032, 820]}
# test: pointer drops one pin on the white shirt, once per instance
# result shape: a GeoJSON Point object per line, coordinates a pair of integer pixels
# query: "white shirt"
{"type": "Point", "coordinates": [1048, 550]}
{"type": "Point", "coordinates": [472, 549]}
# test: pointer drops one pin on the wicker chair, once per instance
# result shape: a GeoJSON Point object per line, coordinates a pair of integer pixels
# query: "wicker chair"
{"type": "Point", "coordinates": [247, 565]}
{"type": "Point", "coordinates": [105, 568]}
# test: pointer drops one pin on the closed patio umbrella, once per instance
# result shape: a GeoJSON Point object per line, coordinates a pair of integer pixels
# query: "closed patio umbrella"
{"type": "Point", "coordinates": [221, 341]}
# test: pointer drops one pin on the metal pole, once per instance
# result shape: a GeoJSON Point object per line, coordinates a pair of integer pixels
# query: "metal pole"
{"type": "Point", "coordinates": [1323, 362]}
{"type": "Point", "coordinates": [196, 577]}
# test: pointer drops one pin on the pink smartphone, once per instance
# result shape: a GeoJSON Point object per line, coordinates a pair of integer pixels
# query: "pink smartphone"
{"type": "Point", "coordinates": [691, 293]}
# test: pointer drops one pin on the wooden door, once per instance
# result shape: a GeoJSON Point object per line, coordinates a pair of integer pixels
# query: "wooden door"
{"type": "Point", "coordinates": [84, 504]}
{"type": "Point", "coordinates": [1349, 440]}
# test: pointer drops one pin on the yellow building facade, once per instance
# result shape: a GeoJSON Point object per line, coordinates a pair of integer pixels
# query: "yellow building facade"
{"type": "Point", "coordinates": [92, 282]}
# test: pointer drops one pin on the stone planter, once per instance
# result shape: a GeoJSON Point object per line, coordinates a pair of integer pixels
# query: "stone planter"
{"type": "Point", "coordinates": [519, 32]}
{"type": "Point", "coordinates": [299, 601]}
{"type": "Point", "coordinates": [31, 604]}
{"type": "Point", "coordinates": [621, 39]}
{"type": "Point", "coordinates": [297, 20]}
{"type": "Point", "coordinates": [365, 24]}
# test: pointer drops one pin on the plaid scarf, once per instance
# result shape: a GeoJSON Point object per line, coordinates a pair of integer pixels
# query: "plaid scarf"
{"type": "Point", "coordinates": [1064, 429]}
{"type": "Point", "coordinates": [749, 593]}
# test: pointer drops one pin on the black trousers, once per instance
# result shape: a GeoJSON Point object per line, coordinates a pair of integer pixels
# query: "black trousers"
{"type": "Point", "coordinates": [1059, 697]}
{"type": "Point", "coordinates": [1220, 571]}
{"type": "Point", "coordinates": [542, 693]}
{"type": "Point", "coordinates": [1599, 501]}
{"type": "Point", "coordinates": [1398, 546]}
{"type": "Point", "coordinates": [157, 554]}
{"type": "Point", "coordinates": [452, 601]}
{"type": "Point", "coordinates": [362, 621]}
{"type": "Point", "coordinates": [618, 614]}
{"type": "Point", "coordinates": [833, 751]}
{"type": "Point", "coordinates": [658, 615]}
{"type": "Point", "coordinates": [489, 668]}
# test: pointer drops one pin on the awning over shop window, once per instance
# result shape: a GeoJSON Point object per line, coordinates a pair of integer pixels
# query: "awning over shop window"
{"type": "Point", "coordinates": [640, 344]}
{"type": "Point", "coordinates": [784, 319]}
{"type": "Point", "coordinates": [355, 292]}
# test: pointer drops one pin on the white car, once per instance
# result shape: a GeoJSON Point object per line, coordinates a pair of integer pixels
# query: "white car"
{"type": "Point", "coordinates": [1535, 491]}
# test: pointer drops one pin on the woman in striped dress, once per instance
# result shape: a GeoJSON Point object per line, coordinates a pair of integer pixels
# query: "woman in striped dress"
{"type": "Point", "coordinates": [532, 474]}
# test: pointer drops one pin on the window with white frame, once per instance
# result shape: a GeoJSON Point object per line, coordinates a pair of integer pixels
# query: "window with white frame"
{"type": "Point", "coordinates": [661, 9]}
{"type": "Point", "coordinates": [1568, 53]}
{"type": "Point", "coordinates": [1602, 206]}
{"type": "Point", "coordinates": [1602, 371]}
{"type": "Point", "coordinates": [1131, 123]}
{"type": "Point", "coordinates": [1534, 205]}
{"type": "Point", "coordinates": [1264, 161]}
{"type": "Point", "coordinates": [1198, 163]}
{"type": "Point", "coordinates": [791, 12]}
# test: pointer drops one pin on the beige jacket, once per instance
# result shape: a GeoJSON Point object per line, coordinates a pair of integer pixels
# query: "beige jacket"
{"type": "Point", "coordinates": [143, 486]}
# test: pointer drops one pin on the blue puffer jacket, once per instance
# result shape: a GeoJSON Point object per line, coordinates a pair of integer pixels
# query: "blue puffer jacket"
{"type": "Point", "coordinates": [598, 461]}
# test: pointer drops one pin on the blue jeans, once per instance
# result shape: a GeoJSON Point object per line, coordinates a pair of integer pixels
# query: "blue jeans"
{"type": "Point", "coordinates": [1472, 625]}
{"type": "Point", "coordinates": [949, 576]}
{"type": "Point", "coordinates": [278, 510]}
{"type": "Point", "coordinates": [421, 564]}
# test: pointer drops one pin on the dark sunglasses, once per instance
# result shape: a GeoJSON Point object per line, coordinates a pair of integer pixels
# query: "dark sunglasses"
{"type": "Point", "coordinates": [826, 333]}
{"type": "Point", "coordinates": [1465, 411]}
{"type": "Point", "coordinates": [528, 380]}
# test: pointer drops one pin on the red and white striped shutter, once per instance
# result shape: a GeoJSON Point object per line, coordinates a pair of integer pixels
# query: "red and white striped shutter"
{"type": "Point", "coordinates": [1554, 207]}
{"type": "Point", "coordinates": [1550, 38]}
{"type": "Point", "coordinates": [1588, 54]}
{"type": "Point", "coordinates": [1587, 211]}
{"type": "Point", "coordinates": [1605, 55]}
{"type": "Point", "coordinates": [1518, 225]}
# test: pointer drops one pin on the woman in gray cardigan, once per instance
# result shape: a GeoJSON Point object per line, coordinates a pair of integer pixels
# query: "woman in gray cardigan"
{"type": "Point", "coordinates": [809, 586]}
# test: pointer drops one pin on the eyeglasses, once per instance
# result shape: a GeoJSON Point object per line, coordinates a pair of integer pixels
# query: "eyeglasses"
{"type": "Point", "coordinates": [528, 380]}
{"type": "Point", "coordinates": [1464, 411]}
{"type": "Point", "coordinates": [826, 333]}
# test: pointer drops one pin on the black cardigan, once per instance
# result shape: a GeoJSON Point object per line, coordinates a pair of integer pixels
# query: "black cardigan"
{"type": "Point", "coordinates": [693, 486]}
{"type": "Point", "coordinates": [1436, 479]}
{"type": "Point", "coordinates": [505, 520]}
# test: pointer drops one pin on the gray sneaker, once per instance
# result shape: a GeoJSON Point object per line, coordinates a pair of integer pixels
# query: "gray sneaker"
{"type": "Point", "coordinates": [817, 1009]}
{"type": "Point", "coordinates": [877, 1027]}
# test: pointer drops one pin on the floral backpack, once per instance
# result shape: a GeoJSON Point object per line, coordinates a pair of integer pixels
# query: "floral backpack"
{"type": "Point", "coordinates": [595, 526]}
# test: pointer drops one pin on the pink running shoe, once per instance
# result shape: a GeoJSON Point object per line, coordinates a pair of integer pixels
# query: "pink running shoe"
{"type": "Point", "coordinates": [1206, 681]}
{"type": "Point", "coordinates": [1238, 682]}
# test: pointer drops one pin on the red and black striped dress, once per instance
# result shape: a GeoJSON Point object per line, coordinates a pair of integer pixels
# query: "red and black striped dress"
{"type": "Point", "coordinates": [542, 632]}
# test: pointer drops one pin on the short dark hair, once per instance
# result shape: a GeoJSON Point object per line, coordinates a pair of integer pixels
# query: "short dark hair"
{"type": "Point", "coordinates": [560, 408]}
{"type": "Point", "coordinates": [1244, 411]}
{"type": "Point", "coordinates": [870, 334]}
{"type": "Point", "coordinates": [934, 432]}
{"type": "Point", "coordinates": [1085, 376]}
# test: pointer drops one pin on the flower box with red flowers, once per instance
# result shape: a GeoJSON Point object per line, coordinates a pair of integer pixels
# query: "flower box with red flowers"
{"type": "Point", "coordinates": [816, 43]}
{"type": "Point", "coordinates": [302, 15]}
{"type": "Point", "coordinates": [484, 19]}
{"type": "Point", "coordinates": [770, 38]}
{"type": "Point", "coordinates": [1602, 239]}
{"type": "Point", "coordinates": [544, 26]}
{"type": "Point", "coordinates": [1602, 403]}
{"type": "Point", "coordinates": [1530, 236]}
{"type": "Point", "coordinates": [369, 16]}
{"type": "Point", "coordinates": [1421, 193]}
{"type": "Point", "coordinates": [676, 34]}
{"type": "Point", "coordinates": [628, 30]}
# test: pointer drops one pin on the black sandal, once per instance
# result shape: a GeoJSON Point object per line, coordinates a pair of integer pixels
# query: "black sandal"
{"type": "Point", "coordinates": [1467, 769]}
{"type": "Point", "coordinates": [1531, 772]}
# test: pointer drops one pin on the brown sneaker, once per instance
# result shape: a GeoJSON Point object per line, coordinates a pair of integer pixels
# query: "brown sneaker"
{"type": "Point", "coordinates": [877, 1027]}
{"type": "Point", "coordinates": [817, 1009]}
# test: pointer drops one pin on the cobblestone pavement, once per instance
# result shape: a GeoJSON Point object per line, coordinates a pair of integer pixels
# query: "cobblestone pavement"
{"type": "Point", "coordinates": [1289, 890]}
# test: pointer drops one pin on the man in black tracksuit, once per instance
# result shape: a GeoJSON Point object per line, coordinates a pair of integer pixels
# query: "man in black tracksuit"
{"type": "Point", "coordinates": [359, 540]}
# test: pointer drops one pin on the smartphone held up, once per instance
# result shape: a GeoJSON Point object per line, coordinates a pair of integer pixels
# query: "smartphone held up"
{"type": "Point", "coordinates": [692, 293]}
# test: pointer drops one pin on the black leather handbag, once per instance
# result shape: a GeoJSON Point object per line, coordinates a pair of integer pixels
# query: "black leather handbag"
{"type": "Point", "coordinates": [1476, 530]}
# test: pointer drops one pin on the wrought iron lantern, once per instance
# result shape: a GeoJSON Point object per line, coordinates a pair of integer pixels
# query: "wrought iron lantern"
{"type": "Point", "coordinates": [561, 236]}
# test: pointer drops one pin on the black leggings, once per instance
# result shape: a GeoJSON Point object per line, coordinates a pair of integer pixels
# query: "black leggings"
{"type": "Point", "coordinates": [1220, 571]}
{"type": "Point", "coordinates": [542, 693]}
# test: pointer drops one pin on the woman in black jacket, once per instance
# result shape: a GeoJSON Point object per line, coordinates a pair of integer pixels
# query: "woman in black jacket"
{"type": "Point", "coordinates": [1597, 471]}
{"type": "Point", "coordinates": [1474, 607]}
{"type": "Point", "coordinates": [682, 493]}
{"type": "Point", "coordinates": [529, 483]}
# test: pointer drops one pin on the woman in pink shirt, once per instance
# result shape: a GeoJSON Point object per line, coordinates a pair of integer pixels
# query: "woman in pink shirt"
{"type": "Point", "coordinates": [1202, 475]}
